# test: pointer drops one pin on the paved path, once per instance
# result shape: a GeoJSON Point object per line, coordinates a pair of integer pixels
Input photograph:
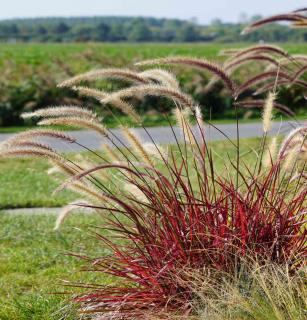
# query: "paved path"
{"type": "Point", "coordinates": [162, 135]}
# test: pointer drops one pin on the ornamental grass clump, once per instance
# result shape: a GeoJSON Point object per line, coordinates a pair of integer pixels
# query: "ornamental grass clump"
{"type": "Point", "coordinates": [167, 212]}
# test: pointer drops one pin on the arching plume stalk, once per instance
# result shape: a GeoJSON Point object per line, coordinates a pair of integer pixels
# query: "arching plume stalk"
{"type": "Point", "coordinates": [196, 63]}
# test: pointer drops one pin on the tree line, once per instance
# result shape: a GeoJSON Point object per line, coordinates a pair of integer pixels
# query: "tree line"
{"type": "Point", "coordinates": [136, 29]}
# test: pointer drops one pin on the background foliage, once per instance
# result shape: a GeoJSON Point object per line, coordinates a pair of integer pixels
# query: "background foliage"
{"type": "Point", "coordinates": [134, 29]}
{"type": "Point", "coordinates": [30, 72]}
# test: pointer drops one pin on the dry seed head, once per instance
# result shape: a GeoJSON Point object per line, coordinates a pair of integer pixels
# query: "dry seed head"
{"type": "Point", "coordinates": [53, 170]}
{"type": "Point", "coordinates": [137, 145]}
{"type": "Point", "coordinates": [165, 77]}
{"type": "Point", "coordinates": [301, 132]}
{"type": "Point", "coordinates": [232, 64]}
{"type": "Point", "coordinates": [125, 107]}
{"type": "Point", "coordinates": [90, 92]}
{"type": "Point", "coordinates": [56, 159]}
{"type": "Point", "coordinates": [63, 167]}
{"type": "Point", "coordinates": [260, 49]}
{"type": "Point", "coordinates": [40, 133]}
{"type": "Point", "coordinates": [120, 74]}
{"type": "Point", "coordinates": [68, 209]}
{"type": "Point", "coordinates": [155, 151]}
{"type": "Point", "coordinates": [202, 64]}
{"type": "Point", "coordinates": [292, 17]}
{"type": "Point", "coordinates": [290, 160]}
{"type": "Point", "coordinates": [92, 124]}
{"type": "Point", "coordinates": [61, 111]}
{"type": "Point", "coordinates": [183, 121]}
{"type": "Point", "coordinates": [152, 90]}
{"type": "Point", "coordinates": [199, 117]}
{"type": "Point", "coordinates": [268, 112]}
{"type": "Point", "coordinates": [270, 153]}
{"type": "Point", "coordinates": [296, 58]}
{"type": "Point", "coordinates": [111, 154]}
{"type": "Point", "coordinates": [277, 75]}
{"type": "Point", "coordinates": [88, 191]}
{"type": "Point", "coordinates": [31, 152]}
{"type": "Point", "coordinates": [259, 103]}
{"type": "Point", "coordinates": [26, 143]}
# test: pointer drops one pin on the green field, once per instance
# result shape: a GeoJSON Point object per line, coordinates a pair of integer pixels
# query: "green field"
{"type": "Point", "coordinates": [116, 54]}
{"type": "Point", "coordinates": [30, 72]}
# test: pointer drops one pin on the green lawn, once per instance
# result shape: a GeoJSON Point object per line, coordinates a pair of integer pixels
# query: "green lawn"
{"type": "Point", "coordinates": [25, 183]}
{"type": "Point", "coordinates": [33, 264]}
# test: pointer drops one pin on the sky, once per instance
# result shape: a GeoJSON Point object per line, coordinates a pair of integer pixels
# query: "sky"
{"type": "Point", "coordinates": [204, 10]}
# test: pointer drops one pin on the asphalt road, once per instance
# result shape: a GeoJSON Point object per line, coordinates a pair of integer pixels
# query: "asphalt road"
{"type": "Point", "coordinates": [162, 135]}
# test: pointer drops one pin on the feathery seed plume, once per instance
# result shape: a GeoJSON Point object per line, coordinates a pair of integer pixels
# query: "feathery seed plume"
{"type": "Point", "coordinates": [92, 124]}
{"type": "Point", "coordinates": [90, 92]}
{"type": "Point", "coordinates": [294, 17]}
{"type": "Point", "coordinates": [121, 74]}
{"type": "Point", "coordinates": [165, 77]}
{"type": "Point", "coordinates": [31, 152]}
{"type": "Point", "coordinates": [153, 90]}
{"type": "Point", "coordinates": [68, 209]}
{"type": "Point", "coordinates": [27, 143]}
{"type": "Point", "coordinates": [268, 111]}
{"type": "Point", "coordinates": [155, 151]}
{"type": "Point", "coordinates": [290, 160]}
{"type": "Point", "coordinates": [61, 111]}
{"type": "Point", "coordinates": [270, 153]}
{"type": "Point", "coordinates": [196, 63]}
{"type": "Point", "coordinates": [137, 145]}
{"type": "Point", "coordinates": [40, 133]}
{"type": "Point", "coordinates": [99, 95]}
{"type": "Point", "coordinates": [183, 121]}
{"type": "Point", "coordinates": [114, 156]}
{"type": "Point", "coordinates": [301, 132]}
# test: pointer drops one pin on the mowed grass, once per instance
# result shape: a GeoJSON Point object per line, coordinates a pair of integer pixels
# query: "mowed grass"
{"type": "Point", "coordinates": [25, 182]}
{"type": "Point", "coordinates": [33, 264]}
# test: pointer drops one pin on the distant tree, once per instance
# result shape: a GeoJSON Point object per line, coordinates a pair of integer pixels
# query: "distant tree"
{"type": "Point", "coordinates": [41, 30]}
{"type": "Point", "coordinates": [117, 32]}
{"type": "Point", "coordinates": [139, 31]}
{"type": "Point", "coordinates": [216, 22]}
{"type": "Point", "coordinates": [13, 29]}
{"type": "Point", "coordinates": [83, 33]}
{"type": "Point", "coordinates": [103, 32]}
{"type": "Point", "coordinates": [61, 28]}
{"type": "Point", "coordinates": [188, 33]}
